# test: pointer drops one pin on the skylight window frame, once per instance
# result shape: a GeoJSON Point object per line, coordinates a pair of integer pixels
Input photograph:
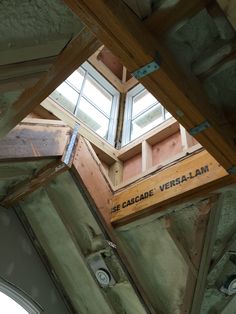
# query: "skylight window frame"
{"type": "Point", "coordinates": [105, 85]}
{"type": "Point", "coordinates": [128, 116]}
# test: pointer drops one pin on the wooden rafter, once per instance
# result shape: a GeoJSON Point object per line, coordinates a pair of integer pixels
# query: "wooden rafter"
{"type": "Point", "coordinates": [124, 33]}
{"type": "Point", "coordinates": [87, 169]}
{"type": "Point", "coordinates": [76, 52]}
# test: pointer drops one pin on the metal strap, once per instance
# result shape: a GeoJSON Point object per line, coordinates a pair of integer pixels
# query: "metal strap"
{"type": "Point", "coordinates": [232, 170]}
{"type": "Point", "coordinates": [71, 145]}
{"type": "Point", "coordinates": [199, 128]}
{"type": "Point", "coordinates": [148, 68]}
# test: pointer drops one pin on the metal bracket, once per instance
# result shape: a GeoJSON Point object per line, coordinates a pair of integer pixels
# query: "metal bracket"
{"type": "Point", "coordinates": [232, 170]}
{"type": "Point", "coordinates": [148, 68]}
{"type": "Point", "coordinates": [68, 154]}
{"type": "Point", "coordinates": [199, 128]}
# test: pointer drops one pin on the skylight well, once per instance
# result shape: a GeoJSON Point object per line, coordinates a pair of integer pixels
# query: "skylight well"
{"type": "Point", "coordinates": [94, 99]}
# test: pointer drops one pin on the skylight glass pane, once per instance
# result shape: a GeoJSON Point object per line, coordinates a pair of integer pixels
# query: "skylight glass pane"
{"type": "Point", "coordinates": [98, 95]}
{"type": "Point", "coordinates": [148, 120]}
{"type": "Point", "coordinates": [9, 306]}
{"type": "Point", "coordinates": [167, 115]}
{"type": "Point", "coordinates": [76, 78]}
{"type": "Point", "coordinates": [93, 118]}
{"type": "Point", "coordinates": [66, 96]}
{"type": "Point", "coordinates": [142, 101]}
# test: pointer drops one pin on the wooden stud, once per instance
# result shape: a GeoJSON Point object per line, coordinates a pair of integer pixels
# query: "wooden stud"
{"type": "Point", "coordinates": [186, 138]}
{"type": "Point", "coordinates": [116, 173]}
{"type": "Point", "coordinates": [105, 71]}
{"type": "Point", "coordinates": [209, 242]}
{"type": "Point", "coordinates": [146, 156]}
{"type": "Point", "coordinates": [196, 253]}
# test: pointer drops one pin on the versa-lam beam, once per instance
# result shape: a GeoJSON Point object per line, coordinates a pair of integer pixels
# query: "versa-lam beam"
{"type": "Point", "coordinates": [128, 38]}
{"type": "Point", "coordinates": [196, 174]}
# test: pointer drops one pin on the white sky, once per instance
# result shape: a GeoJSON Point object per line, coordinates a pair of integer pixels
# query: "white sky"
{"type": "Point", "coordinates": [9, 306]}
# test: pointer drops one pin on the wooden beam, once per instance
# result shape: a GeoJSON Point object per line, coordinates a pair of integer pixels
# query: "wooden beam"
{"type": "Point", "coordinates": [162, 19]}
{"type": "Point", "coordinates": [43, 176]}
{"type": "Point", "coordinates": [87, 170]}
{"type": "Point", "coordinates": [186, 138]}
{"type": "Point", "coordinates": [207, 254]}
{"type": "Point", "coordinates": [200, 227]}
{"type": "Point", "coordinates": [116, 172]}
{"type": "Point", "coordinates": [26, 187]}
{"type": "Point", "coordinates": [105, 71]}
{"type": "Point", "coordinates": [106, 151]}
{"type": "Point", "coordinates": [35, 138]}
{"type": "Point", "coordinates": [123, 33]}
{"type": "Point", "coordinates": [146, 156]}
{"type": "Point", "coordinates": [76, 52]}
{"type": "Point", "coordinates": [157, 134]}
{"type": "Point", "coordinates": [196, 174]}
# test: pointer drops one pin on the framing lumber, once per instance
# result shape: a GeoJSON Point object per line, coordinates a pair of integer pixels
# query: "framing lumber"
{"type": "Point", "coordinates": [76, 52]}
{"type": "Point", "coordinates": [116, 173]}
{"type": "Point", "coordinates": [164, 191]}
{"type": "Point", "coordinates": [35, 138]}
{"type": "Point", "coordinates": [86, 169]}
{"type": "Point", "coordinates": [26, 187]}
{"type": "Point", "coordinates": [106, 72]}
{"type": "Point", "coordinates": [42, 176]}
{"type": "Point", "coordinates": [206, 255]}
{"type": "Point", "coordinates": [196, 252]}
{"type": "Point", "coordinates": [146, 156]}
{"type": "Point", "coordinates": [106, 152]}
{"type": "Point", "coordinates": [186, 138]}
{"type": "Point", "coordinates": [153, 170]}
{"type": "Point", "coordinates": [152, 137]}
{"type": "Point", "coordinates": [123, 33]}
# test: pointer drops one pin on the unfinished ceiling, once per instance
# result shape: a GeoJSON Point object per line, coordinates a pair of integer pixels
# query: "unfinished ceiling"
{"type": "Point", "coordinates": [36, 36]}
{"type": "Point", "coordinates": [205, 46]}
